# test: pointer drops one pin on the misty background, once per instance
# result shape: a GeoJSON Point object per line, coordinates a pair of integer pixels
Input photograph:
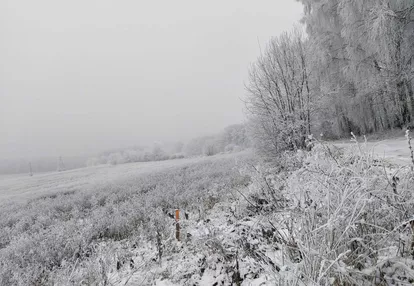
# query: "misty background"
{"type": "Point", "coordinates": [81, 77]}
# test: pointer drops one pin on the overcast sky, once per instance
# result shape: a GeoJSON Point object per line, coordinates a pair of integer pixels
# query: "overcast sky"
{"type": "Point", "coordinates": [80, 76]}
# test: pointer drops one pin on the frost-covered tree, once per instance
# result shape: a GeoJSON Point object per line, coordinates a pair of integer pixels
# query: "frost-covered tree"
{"type": "Point", "coordinates": [279, 95]}
{"type": "Point", "coordinates": [363, 54]}
{"type": "Point", "coordinates": [235, 135]}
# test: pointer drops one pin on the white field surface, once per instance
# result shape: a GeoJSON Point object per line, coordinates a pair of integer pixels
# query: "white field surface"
{"type": "Point", "coordinates": [394, 150]}
{"type": "Point", "coordinates": [22, 186]}
{"type": "Point", "coordinates": [227, 226]}
{"type": "Point", "coordinates": [209, 222]}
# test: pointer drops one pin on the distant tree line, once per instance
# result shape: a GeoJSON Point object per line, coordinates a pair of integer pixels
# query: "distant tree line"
{"type": "Point", "coordinates": [137, 154]}
{"type": "Point", "coordinates": [233, 138]}
{"type": "Point", "coordinates": [352, 71]}
{"type": "Point", "coordinates": [39, 165]}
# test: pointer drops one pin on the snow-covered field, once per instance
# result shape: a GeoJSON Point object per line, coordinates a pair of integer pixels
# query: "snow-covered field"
{"type": "Point", "coordinates": [332, 215]}
{"type": "Point", "coordinates": [22, 186]}
{"type": "Point", "coordinates": [80, 226]}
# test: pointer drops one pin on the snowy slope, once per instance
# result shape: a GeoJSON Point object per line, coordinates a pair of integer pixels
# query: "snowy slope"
{"type": "Point", "coordinates": [22, 186]}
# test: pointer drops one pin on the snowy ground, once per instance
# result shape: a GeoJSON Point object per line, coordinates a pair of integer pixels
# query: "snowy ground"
{"type": "Point", "coordinates": [214, 238]}
{"type": "Point", "coordinates": [22, 186]}
{"type": "Point", "coordinates": [107, 215]}
{"type": "Point", "coordinates": [392, 150]}
{"type": "Point", "coordinates": [229, 237]}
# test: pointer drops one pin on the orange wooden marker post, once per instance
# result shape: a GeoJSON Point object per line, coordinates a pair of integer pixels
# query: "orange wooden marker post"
{"type": "Point", "coordinates": [177, 224]}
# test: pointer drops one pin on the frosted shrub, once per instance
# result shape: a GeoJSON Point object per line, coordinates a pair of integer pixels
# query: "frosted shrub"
{"type": "Point", "coordinates": [350, 219]}
{"type": "Point", "coordinates": [210, 150]}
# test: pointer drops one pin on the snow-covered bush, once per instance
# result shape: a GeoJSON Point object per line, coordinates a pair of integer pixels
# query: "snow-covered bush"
{"type": "Point", "coordinates": [210, 149]}
{"type": "Point", "coordinates": [345, 218]}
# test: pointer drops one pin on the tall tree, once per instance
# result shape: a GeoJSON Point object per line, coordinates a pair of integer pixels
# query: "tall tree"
{"type": "Point", "coordinates": [365, 67]}
{"type": "Point", "coordinates": [279, 96]}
